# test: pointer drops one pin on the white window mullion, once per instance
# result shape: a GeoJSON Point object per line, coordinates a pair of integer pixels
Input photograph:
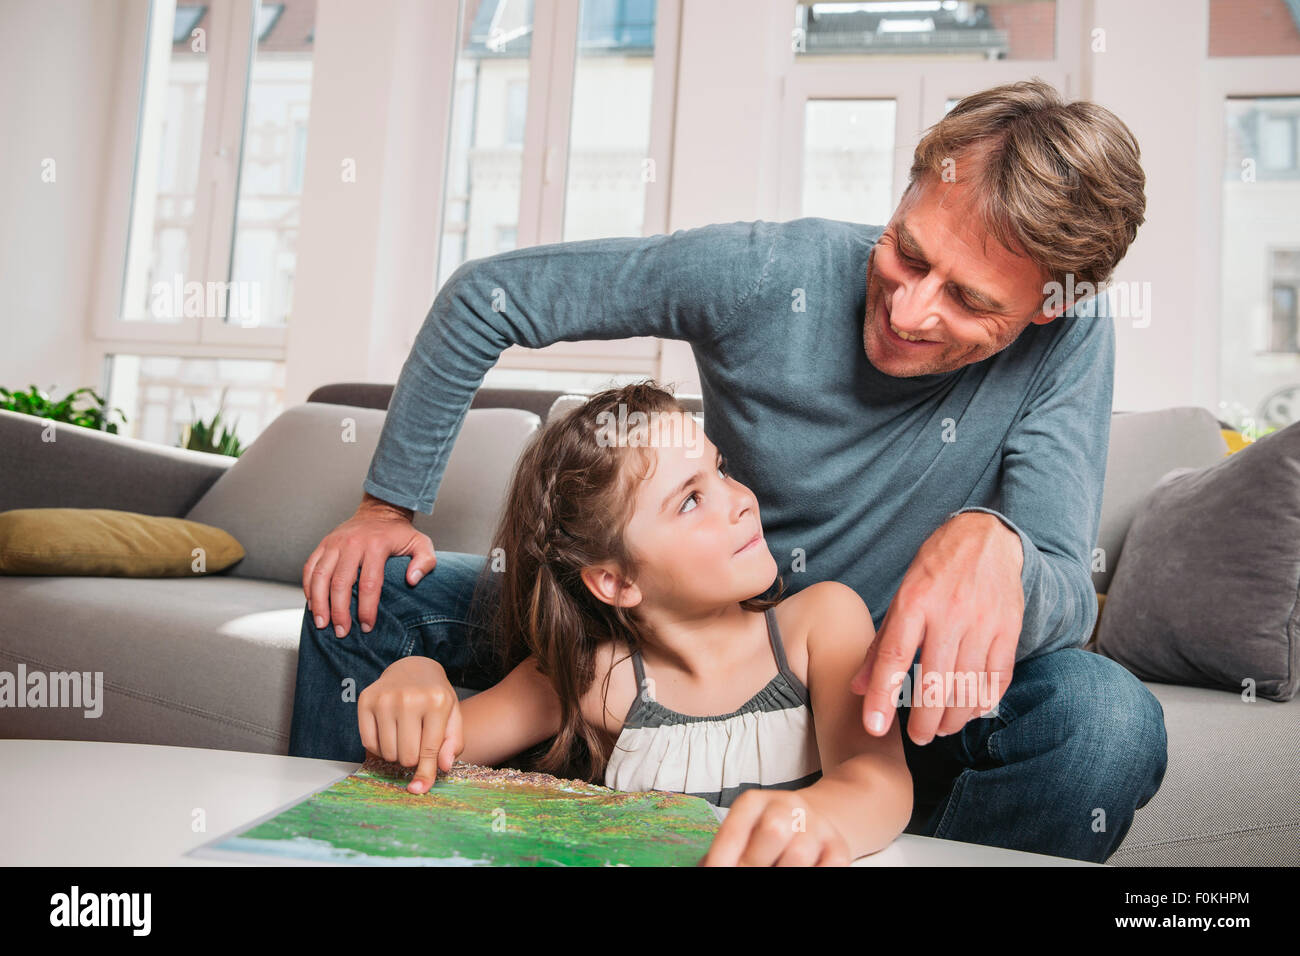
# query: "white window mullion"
{"type": "Point", "coordinates": [546, 140]}
{"type": "Point", "coordinates": [230, 82]}
{"type": "Point", "coordinates": [142, 93]}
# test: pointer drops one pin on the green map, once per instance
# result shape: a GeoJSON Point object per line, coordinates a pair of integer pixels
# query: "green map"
{"type": "Point", "coordinates": [479, 816]}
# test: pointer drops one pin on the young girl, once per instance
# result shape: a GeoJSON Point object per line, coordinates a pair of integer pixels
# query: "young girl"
{"type": "Point", "coordinates": [627, 571]}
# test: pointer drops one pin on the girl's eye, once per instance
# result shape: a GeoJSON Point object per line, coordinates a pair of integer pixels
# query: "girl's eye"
{"type": "Point", "coordinates": [694, 495]}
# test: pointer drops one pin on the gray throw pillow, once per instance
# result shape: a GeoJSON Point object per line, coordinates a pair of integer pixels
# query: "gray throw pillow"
{"type": "Point", "coordinates": [1207, 588]}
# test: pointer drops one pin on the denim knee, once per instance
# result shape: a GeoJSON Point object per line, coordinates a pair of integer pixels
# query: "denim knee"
{"type": "Point", "coordinates": [1114, 725]}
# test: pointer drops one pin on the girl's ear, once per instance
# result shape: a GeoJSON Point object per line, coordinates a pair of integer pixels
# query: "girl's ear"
{"type": "Point", "coordinates": [607, 585]}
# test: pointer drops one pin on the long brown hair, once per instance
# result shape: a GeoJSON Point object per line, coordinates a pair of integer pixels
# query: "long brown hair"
{"type": "Point", "coordinates": [570, 501]}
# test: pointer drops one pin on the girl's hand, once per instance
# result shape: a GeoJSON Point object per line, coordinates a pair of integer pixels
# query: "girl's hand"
{"type": "Point", "coordinates": [776, 828]}
{"type": "Point", "coordinates": [411, 715]}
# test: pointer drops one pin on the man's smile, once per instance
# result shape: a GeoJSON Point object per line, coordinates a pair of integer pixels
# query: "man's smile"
{"type": "Point", "coordinates": [896, 334]}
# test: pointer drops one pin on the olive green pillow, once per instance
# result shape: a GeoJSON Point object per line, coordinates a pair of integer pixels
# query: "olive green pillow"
{"type": "Point", "coordinates": [101, 542]}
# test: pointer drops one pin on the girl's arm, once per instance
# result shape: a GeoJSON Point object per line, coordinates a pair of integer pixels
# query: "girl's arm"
{"type": "Point", "coordinates": [411, 715]}
{"type": "Point", "coordinates": [510, 717]}
{"type": "Point", "coordinates": [866, 788]}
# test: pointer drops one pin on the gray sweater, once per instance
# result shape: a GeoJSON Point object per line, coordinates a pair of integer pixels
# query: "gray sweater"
{"type": "Point", "coordinates": [853, 469]}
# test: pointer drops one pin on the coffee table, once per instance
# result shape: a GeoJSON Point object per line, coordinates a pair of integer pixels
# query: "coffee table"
{"type": "Point", "coordinates": [89, 803]}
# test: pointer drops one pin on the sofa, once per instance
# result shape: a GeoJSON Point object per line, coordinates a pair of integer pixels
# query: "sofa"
{"type": "Point", "coordinates": [210, 661]}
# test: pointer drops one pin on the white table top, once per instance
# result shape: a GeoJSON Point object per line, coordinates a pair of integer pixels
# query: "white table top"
{"type": "Point", "coordinates": [88, 803]}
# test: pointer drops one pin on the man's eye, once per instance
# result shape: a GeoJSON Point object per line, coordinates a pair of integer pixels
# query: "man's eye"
{"type": "Point", "coordinates": [912, 264]}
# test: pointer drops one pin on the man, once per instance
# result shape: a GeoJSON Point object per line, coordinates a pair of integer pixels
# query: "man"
{"type": "Point", "coordinates": [922, 418]}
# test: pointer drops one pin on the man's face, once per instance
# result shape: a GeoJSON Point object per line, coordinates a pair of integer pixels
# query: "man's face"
{"type": "Point", "coordinates": [936, 275]}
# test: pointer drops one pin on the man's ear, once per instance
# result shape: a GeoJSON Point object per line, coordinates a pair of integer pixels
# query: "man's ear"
{"type": "Point", "coordinates": [1049, 314]}
{"type": "Point", "coordinates": [607, 585]}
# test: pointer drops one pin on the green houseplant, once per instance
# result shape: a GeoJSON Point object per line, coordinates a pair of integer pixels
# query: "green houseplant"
{"type": "Point", "coordinates": [37, 402]}
{"type": "Point", "coordinates": [213, 437]}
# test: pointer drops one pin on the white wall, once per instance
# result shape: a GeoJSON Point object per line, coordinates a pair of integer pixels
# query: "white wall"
{"type": "Point", "coordinates": [1153, 87]}
{"type": "Point", "coordinates": [57, 62]}
{"type": "Point", "coordinates": [366, 249]}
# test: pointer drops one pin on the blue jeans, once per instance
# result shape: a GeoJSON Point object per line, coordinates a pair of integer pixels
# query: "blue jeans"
{"type": "Point", "coordinates": [1076, 746]}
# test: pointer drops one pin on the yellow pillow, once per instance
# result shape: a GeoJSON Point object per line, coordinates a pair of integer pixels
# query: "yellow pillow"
{"type": "Point", "coordinates": [101, 542]}
{"type": "Point", "coordinates": [1235, 439]}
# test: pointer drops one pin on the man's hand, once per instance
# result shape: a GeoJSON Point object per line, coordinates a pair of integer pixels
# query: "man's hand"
{"type": "Point", "coordinates": [962, 603]}
{"type": "Point", "coordinates": [776, 828]}
{"type": "Point", "coordinates": [377, 531]}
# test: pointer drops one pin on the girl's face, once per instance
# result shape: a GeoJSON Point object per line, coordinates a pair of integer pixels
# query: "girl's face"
{"type": "Point", "coordinates": [695, 530]}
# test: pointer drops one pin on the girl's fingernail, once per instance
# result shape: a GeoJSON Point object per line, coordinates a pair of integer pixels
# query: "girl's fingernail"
{"type": "Point", "coordinates": [415, 577]}
{"type": "Point", "coordinates": [320, 621]}
{"type": "Point", "coordinates": [365, 628]}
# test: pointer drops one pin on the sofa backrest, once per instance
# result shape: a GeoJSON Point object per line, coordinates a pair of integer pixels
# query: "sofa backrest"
{"type": "Point", "coordinates": [48, 464]}
{"type": "Point", "coordinates": [302, 477]}
{"type": "Point", "coordinates": [1145, 446]}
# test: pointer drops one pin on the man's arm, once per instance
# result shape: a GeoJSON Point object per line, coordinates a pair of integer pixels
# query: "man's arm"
{"type": "Point", "coordinates": [985, 591]}
{"type": "Point", "coordinates": [1053, 472]}
{"type": "Point", "coordinates": [689, 285]}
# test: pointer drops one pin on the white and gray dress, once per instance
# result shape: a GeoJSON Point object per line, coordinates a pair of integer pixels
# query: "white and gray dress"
{"type": "Point", "coordinates": [769, 742]}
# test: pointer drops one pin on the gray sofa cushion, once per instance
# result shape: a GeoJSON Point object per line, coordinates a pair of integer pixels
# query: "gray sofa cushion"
{"type": "Point", "coordinates": [1143, 447]}
{"type": "Point", "coordinates": [1231, 793]}
{"type": "Point", "coordinates": [1207, 592]}
{"type": "Point", "coordinates": [303, 475]}
{"type": "Point", "coordinates": [190, 662]}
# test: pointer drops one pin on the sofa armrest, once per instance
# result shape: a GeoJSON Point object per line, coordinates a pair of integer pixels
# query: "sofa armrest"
{"type": "Point", "coordinates": [56, 465]}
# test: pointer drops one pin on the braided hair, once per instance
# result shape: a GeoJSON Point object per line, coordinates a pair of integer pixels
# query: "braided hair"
{"type": "Point", "coordinates": [570, 500]}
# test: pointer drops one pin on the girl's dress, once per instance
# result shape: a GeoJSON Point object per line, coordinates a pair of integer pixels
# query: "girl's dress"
{"type": "Point", "coordinates": [768, 742]}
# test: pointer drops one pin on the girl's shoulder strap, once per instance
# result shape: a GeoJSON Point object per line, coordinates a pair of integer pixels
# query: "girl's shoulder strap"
{"type": "Point", "coordinates": [778, 651]}
{"type": "Point", "coordinates": [638, 666]}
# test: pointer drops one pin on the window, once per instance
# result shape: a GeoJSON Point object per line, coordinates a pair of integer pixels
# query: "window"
{"type": "Point", "coordinates": [161, 394]}
{"type": "Point", "coordinates": [516, 111]}
{"type": "Point", "coordinates": [1286, 294]}
{"type": "Point", "coordinates": [485, 160]}
{"type": "Point", "coordinates": [1277, 142]}
{"type": "Point", "coordinates": [208, 260]}
{"type": "Point", "coordinates": [609, 161]}
{"type": "Point", "coordinates": [1014, 30]}
{"type": "Point", "coordinates": [866, 79]}
{"type": "Point", "coordinates": [274, 150]}
{"type": "Point", "coordinates": [1260, 277]}
{"type": "Point", "coordinates": [848, 160]}
{"type": "Point", "coordinates": [164, 238]}
{"type": "Point", "coordinates": [240, 234]}
{"type": "Point", "coordinates": [1254, 28]}
{"type": "Point", "coordinates": [554, 137]}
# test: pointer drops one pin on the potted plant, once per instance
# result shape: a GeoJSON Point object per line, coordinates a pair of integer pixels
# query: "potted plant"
{"type": "Point", "coordinates": [37, 402]}
{"type": "Point", "coordinates": [205, 436]}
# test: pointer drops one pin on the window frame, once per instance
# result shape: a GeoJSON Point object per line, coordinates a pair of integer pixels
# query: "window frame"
{"type": "Point", "coordinates": [552, 69]}
{"type": "Point", "coordinates": [1223, 78]}
{"type": "Point", "coordinates": [920, 88]}
{"type": "Point", "coordinates": [231, 51]}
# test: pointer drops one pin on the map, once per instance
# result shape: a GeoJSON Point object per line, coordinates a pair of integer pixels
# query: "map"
{"type": "Point", "coordinates": [478, 816]}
